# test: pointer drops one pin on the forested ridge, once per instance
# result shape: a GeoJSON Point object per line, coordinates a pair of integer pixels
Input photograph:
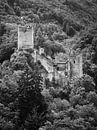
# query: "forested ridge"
{"type": "Point", "coordinates": [59, 25]}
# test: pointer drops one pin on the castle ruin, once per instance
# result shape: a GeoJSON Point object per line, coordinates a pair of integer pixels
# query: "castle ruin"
{"type": "Point", "coordinates": [70, 68]}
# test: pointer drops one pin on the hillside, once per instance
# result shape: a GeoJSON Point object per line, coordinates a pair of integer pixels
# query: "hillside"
{"type": "Point", "coordinates": [28, 99]}
{"type": "Point", "coordinates": [76, 13]}
{"type": "Point", "coordinates": [55, 20]}
{"type": "Point", "coordinates": [58, 24]}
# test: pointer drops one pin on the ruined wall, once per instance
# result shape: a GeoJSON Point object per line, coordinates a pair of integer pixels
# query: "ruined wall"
{"type": "Point", "coordinates": [76, 68]}
{"type": "Point", "coordinates": [25, 37]}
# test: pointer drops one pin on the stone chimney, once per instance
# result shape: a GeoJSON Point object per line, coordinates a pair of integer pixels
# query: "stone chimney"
{"type": "Point", "coordinates": [41, 50]}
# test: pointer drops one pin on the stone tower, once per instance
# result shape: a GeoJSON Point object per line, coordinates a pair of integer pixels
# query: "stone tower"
{"type": "Point", "coordinates": [25, 37]}
{"type": "Point", "coordinates": [77, 66]}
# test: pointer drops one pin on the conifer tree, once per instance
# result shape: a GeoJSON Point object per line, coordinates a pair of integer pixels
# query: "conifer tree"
{"type": "Point", "coordinates": [31, 105]}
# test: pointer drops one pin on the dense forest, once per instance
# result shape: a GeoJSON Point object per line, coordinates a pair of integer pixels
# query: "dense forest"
{"type": "Point", "coordinates": [25, 103]}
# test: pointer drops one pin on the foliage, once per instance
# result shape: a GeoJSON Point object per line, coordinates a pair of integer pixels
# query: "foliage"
{"type": "Point", "coordinates": [78, 112]}
{"type": "Point", "coordinates": [30, 95]}
{"type": "Point", "coordinates": [57, 24]}
{"type": "Point", "coordinates": [21, 102]}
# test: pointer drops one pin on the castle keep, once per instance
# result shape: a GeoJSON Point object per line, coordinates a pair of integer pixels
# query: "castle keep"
{"type": "Point", "coordinates": [25, 37]}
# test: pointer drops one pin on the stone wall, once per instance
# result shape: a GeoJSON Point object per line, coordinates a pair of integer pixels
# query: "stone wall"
{"type": "Point", "coordinates": [77, 66]}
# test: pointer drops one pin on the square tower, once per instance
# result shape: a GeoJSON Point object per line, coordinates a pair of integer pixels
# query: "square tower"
{"type": "Point", "coordinates": [77, 66]}
{"type": "Point", "coordinates": [25, 37]}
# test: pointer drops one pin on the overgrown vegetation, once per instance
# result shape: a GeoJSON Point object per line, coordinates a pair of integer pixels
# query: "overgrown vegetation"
{"type": "Point", "coordinates": [59, 24]}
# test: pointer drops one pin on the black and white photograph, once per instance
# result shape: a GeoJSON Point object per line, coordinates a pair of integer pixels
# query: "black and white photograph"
{"type": "Point", "coordinates": [48, 64]}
